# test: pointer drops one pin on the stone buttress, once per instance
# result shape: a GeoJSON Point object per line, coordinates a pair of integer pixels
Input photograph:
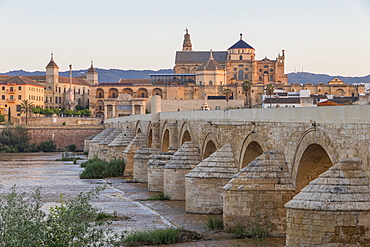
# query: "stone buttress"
{"type": "Point", "coordinates": [94, 143]}
{"type": "Point", "coordinates": [333, 210]}
{"type": "Point", "coordinates": [103, 145]}
{"type": "Point", "coordinates": [139, 141]}
{"type": "Point", "coordinates": [141, 160]}
{"type": "Point", "coordinates": [87, 142]}
{"type": "Point", "coordinates": [155, 170]}
{"type": "Point", "coordinates": [116, 147]}
{"type": "Point", "coordinates": [204, 193]}
{"type": "Point", "coordinates": [182, 162]}
{"type": "Point", "coordinates": [258, 193]}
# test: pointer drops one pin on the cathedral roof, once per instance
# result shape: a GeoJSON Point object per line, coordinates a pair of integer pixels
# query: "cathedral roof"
{"type": "Point", "coordinates": [211, 64]}
{"type": "Point", "coordinates": [199, 57]}
{"type": "Point", "coordinates": [134, 81]}
{"type": "Point", "coordinates": [241, 44]}
{"type": "Point", "coordinates": [75, 80]}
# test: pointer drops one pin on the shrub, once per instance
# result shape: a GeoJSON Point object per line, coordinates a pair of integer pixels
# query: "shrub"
{"type": "Point", "coordinates": [71, 148]}
{"type": "Point", "coordinates": [104, 169]}
{"type": "Point", "coordinates": [16, 138]}
{"type": "Point", "coordinates": [214, 223]}
{"type": "Point", "coordinates": [47, 146]}
{"type": "Point", "coordinates": [64, 123]}
{"type": "Point", "coordinates": [71, 223]}
{"type": "Point", "coordinates": [152, 237]}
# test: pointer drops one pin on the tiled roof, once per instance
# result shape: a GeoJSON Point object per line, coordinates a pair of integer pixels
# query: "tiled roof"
{"type": "Point", "coordinates": [21, 80]}
{"type": "Point", "coordinates": [75, 80]}
{"type": "Point", "coordinates": [241, 44]}
{"type": "Point", "coordinates": [91, 70]}
{"type": "Point", "coordinates": [52, 64]}
{"type": "Point", "coordinates": [4, 77]}
{"type": "Point", "coordinates": [210, 65]}
{"type": "Point", "coordinates": [199, 57]}
{"type": "Point", "coordinates": [134, 81]}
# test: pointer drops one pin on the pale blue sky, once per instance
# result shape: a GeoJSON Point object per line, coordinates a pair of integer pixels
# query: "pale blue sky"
{"type": "Point", "coordinates": [320, 36]}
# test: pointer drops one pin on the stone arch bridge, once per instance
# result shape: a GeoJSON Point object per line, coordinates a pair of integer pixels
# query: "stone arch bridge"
{"type": "Point", "coordinates": [236, 161]}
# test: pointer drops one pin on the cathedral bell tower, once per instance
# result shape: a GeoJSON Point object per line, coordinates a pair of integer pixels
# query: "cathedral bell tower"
{"type": "Point", "coordinates": [92, 75]}
{"type": "Point", "coordinates": [187, 46]}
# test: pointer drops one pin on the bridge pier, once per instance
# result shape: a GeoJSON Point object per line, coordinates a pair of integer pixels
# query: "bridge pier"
{"type": "Point", "coordinates": [139, 141]}
{"type": "Point", "coordinates": [204, 194]}
{"type": "Point", "coordinates": [333, 210]}
{"type": "Point", "coordinates": [116, 147]}
{"type": "Point", "coordinates": [94, 143]}
{"type": "Point", "coordinates": [258, 194]}
{"type": "Point", "coordinates": [141, 160]}
{"type": "Point", "coordinates": [185, 159]}
{"type": "Point", "coordinates": [155, 170]}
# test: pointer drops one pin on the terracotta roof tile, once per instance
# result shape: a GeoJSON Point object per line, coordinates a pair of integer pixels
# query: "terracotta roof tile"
{"type": "Point", "coordinates": [134, 81]}
{"type": "Point", "coordinates": [21, 80]}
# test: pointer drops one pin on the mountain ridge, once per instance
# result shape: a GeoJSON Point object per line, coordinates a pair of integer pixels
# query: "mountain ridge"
{"type": "Point", "coordinates": [114, 75]}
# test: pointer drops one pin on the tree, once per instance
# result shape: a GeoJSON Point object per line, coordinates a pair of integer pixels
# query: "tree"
{"type": "Point", "coordinates": [27, 107]}
{"type": "Point", "coordinates": [15, 139]}
{"type": "Point", "coordinates": [247, 85]}
{"type": "Point", "coordinates": [228, 93]}
{"type": "Point", "coordinates": [270, 91]}
{"type": "Point", "coordinates": [2, 118]}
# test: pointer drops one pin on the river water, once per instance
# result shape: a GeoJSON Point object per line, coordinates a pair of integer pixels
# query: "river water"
{"type": "Point", "coordinates": [60, 178]}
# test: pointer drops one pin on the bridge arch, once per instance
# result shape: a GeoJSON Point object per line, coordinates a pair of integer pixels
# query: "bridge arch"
{"type": "Point", "coordinates": [210, 145]}
{"type": "Point", "coordinates": [314, 155]}
{"type": "Point", "coordinates": [186, 133]}
{"type": "Point", "coordinates": [165, 137]}
{"type": "Point", "coordinates": [253, 146]}
{"type": "Point", "coordinates": [138, 127]}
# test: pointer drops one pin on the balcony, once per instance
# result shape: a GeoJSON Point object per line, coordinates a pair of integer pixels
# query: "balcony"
{"type": "Point", "coordinates": [8, 100]}
{"type": "Point", "coordinates": [11, 91]}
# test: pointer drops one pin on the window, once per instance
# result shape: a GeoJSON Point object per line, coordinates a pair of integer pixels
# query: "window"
{"type": "Point", "coordinates": [11, 88]}
{"type": "Point", "coordinates": [246, 69]}
{"type": "Point", "coordinates": [271, 77]}
{"type": "Point", "coordinates": [246, 76]}
{"type": "Point", "coordinates": [18, 108]}
{"type": "Point", "coordinates": [3, 97]}
{"type": "Point", "coordinates": [51, 99]}
{"type": "Point", "coordinates": [56, 100]}
{"type": "Point", "coordinates": [234, 69]}
{"type": "Point", "coordinates": [210, 83]}
{"type": "Point", "coordinates": [260, 70]}
{"type": "Point", "coordinates": [142, 95]}
{"type": "Point", "coordinates": [200, 83]}
{"type": "Point", "coordinates": [265, 66]}
{"type": "Point", "coordinates": [114, 95]}
{"type": "Point", "coordinates": [20, 97]}
{"type": "Point", "coordinates": [19, 88]}
{"type": "Point", "coordinates": [79, 92]}
{"type": "Point", "coordinates": [240, 57]}
{"type": "Point", "coordinates": [271, 70]}
{"type": "Point", "coordinates": [11, 97]}
{"type": "Point", "coordinates": [234, 76]}
{"type": "Point", "coordinates": [240, 75]}
{"type": "Point", "coordinates": [3, 88]}
{"type": "Point", "coordinates": [100, 95]}
{"type": "Point", "coordinates": [240, 65]}
{"type": "Point", "coordinates": [60, 100]}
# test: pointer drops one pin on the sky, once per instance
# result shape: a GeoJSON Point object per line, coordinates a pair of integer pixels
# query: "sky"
{"type": "Point", "coordinates": [319, 36]}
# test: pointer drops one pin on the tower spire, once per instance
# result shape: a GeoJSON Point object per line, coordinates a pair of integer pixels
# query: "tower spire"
{"type": "Point", "coordinates": [187, 46]}
{"type": "Point", "coordinates": [241, 36]}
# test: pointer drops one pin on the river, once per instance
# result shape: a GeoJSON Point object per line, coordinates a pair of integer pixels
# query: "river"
{"type": "Point", "coordinates": [61, 178]}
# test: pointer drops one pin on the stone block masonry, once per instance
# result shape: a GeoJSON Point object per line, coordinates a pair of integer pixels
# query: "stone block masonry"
{"type": "Point", "coordinates": [63, 135]}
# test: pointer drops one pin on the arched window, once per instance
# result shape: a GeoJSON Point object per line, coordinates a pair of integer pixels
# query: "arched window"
{"type": "Point", "coordinates": [210, 83]}
{"type": "Point", "coordinates": [240, 75]}
{"type": "Point", "coordinates": [240, 57]}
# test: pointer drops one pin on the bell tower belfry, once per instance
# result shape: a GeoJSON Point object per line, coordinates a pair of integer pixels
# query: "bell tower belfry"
{"type": "Point", "coordinates": [52, 71]}
{"type": "Point", "coordinates": [187, 46]}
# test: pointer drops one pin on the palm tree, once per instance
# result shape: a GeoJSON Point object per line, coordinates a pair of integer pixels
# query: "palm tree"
{"type": "Point", "coordinates": [270, 91]}
{"type": "Point", "coordinates": [228, 93]}
{"type": "Point", "coordinates": [27, 107]}
{"type": "Point", "coordinates": [247, 85]}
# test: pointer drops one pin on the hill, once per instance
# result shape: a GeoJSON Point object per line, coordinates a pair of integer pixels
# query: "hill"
{"type": "Point", "coordinates": [105, 75]}
{"type": "Point", "coordinates": [304, 77]}
{"type": "Point", "coordinates": [113, 75]}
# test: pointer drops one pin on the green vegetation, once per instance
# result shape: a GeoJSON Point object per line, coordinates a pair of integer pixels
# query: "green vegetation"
{"type": "Point", "coordinates": [23, 223]}
{"type": "Point", "coordinates": [159, 197]}
{"type": "Point", "coordinates": [103, 169]}
{"type": "Point", "coordinates": [110, 217]}
{"type": "Point", "coordinates": [47, 146]}
{"type": "Point", "coordinates": [80, 111]}
{"type": "Point", "coordinates": [16, 139]}
{"type": "Point", "coordinates": [214, 223]}
{"type": "Point", "coordinates": [257, 228]}
{"type": "Point", "coordinates": [2, 118]}
{"type": "Point", "coordinates": [27, 108]}
{"type": "Point", "coordinates": [71, 148]}
{"type": "Point", "coordinates": [159, 236]}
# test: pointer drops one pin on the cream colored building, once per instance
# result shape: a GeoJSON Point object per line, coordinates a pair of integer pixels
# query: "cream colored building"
{"type": "Point", "coordinates": [14, 90]}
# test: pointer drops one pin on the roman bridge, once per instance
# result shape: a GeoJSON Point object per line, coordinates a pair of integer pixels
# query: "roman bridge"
{"type": "Point", "coordinates": [237, 161]}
